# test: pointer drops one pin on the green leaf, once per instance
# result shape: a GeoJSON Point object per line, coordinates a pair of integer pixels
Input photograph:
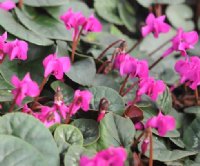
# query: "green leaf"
{"type": "Point", "coordinates": [33, 64]}
{"type": "Point", "coordinates": [42, 3]}
{"type": "Point", "coordinates": [161, 153]}
{"type": "Point", "coordinates": [146, 3]}
{"type": "Point", "coordinates": [164, 101]}
{"type": "Point", "coordinates": [44, 25]}
{"type": "Point", "coordinates": [178, 18]}
{"type": "Point", "coordinates": [192, 110]}
{"type": "Point", "coordinates": [106, 80]}
{"type": "Point", "coordinates": [67, 135]}
{"type": "Point", "coordinates": [115, 131]}
{"type": "Point", "coordinates": [127, 16]}
{"type": "Point", "coordinates": [5, 91]}
{"type": "Point", "coordinates": [116, 103]}
{"type": "Point", "coordinates": [15, 151]}
{"type": "Point", "coordinates": [191, 135]}
{"type": "Point", "coordinates": [33, 132]}
{"type": "Point", "coordinates": [89, 129]}
{"type": "Point", "coordinates": [108, 10]}
{"type": "Point", "coordinates": [83, 72]}
{"type": "Point", "coordinates": [66, 90]}
{"type": "Point", "coordinates": [170, 134]}
{"type": "Point", "coordinates": [72, 157]}
{"type": "Point", "coordinates": [77, 6]}
{"type": "Point", "coordinates": [178, 142]}
{"type": "Point", "coordinates": [14, 28]}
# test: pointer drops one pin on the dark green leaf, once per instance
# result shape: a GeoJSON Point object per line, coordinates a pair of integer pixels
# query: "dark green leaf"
{"type": "Point", "coordinates": [16, 152]}
{"type": "Point", "coordinates": [44, 26]}
{"type": "Point", "coordinates": [14, 28]}
{"type": "Point", "coordinates": [33, 132]}
{"type": "Point", "coordinates": [83, 72]}
{"type": "Point", "coordinates": [42, 3]}
{"type": "Point", "coordinates": [108, 10]}
{"type": "Point", "coordinates": [115, 131]}
{"type": "Point", "coordinates": [67, 91]}
{"type": "Point", "coordinates": [67, 135]}
{"type": "Point", "coordinates": [89, 129]}
{"type": "Point", "coordinates": [116, 103]}
{"type": "Point", "coordinates": [192, 110]}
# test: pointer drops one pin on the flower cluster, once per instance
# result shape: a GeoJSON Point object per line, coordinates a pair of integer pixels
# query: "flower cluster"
{"type": "Point", "coordinates": [77, 21]}
{"type": "Point", "coordinates": [110, 156]}
{"type": "Point", "coordinates": [16, 49]}
{"type": "Point", "coordinates": [128, 65]}
{"type": "Point", "coordinates": [23, 88]}
{"type": "Point", "coordinates": [189, 71]}
{"type": "Point", "coordinates": [155, 25]}
{"type": "Point", "coordinates": [59, 110]}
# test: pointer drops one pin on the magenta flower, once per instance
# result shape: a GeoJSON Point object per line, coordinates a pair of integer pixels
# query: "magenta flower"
{"type": "Point", "coordinates": [16, 49]}
{"type": "Point", "coordinates": [128, 65]}
{"type": "Point", "coordinates": [3, 39]}
{"type": "Point", "coordinates": [56, 66]}
{"type": "Point", "coordinates": [182, 42]}
{"type": "Point", "coordinates": [101, 115]}
{"type": "Point", "coordinates": [189, 71]}
{"type": "Point", "coordinates": [155, 25]}
{"type": "Point", "coordinates": [7, 5]}
{"type": "Point", "coordinates": [48, 116]}
{"type": "Point", "coordinates": [142, 69]}
{"type": "Point", "coordinates": [139, 126]}
{"type": "Point", "coordinates": [81, 100]}
{"type": "Point", "coordinates": [111, 156]}
{"type": "Point", "coordinates": [150, 87]}
{"type": "Point", "coordinates": [73, 20]}
{"type": "Point", "coordinates": [92, 25]}
{"type": "Point", "coordinates": [163, 123]}
{"type": "Point", "coordinates": [23, 88]}
{"type": "Point", "coordinates": [118, 60]}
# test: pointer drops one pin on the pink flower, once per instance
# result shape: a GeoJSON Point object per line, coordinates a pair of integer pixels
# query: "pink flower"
{"type": "Point", "coordinates": [150, 87]}
{"type": "Point", "coordinates": [118, 60]}
{"type": "Point", "coordinates": [48, 116]}
{"type": "Point", "coordinates": [7, 5]}
{"type": "Point", "coordinates": [142, 69]}
{"type": "Point", "coordinates": [23, 88]}
{"type": "Point", "coordinates": [108, 157]}
{"type": "Point", "coordinates": [3, 39]}
{"type": "Point", "coordinates": [82, 100]}
{"type": "Point", "coordinates": [73, 20]}
{"type": "Point", "coordinates": [189, 71]}
{"type": "Point", "coordinates": [182, 42]}
{"type": "Point", "coordinates": [128, 65]}
{"type": "Point", "coordinates": [56, 66]}
{"type": "Point", "coordinates": [145, 145]}
{"type": "Point", "coordinates": [155, 25]}
{"type": "Point", "coordinates": [92, 25]}
{"type": "Point", "coordinates": [162, 123]}
{"type": "Point", "coordinates": [16, 49]}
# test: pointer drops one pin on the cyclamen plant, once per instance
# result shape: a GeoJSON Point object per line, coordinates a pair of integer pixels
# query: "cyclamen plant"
{"type": "Point", "coordinates": [94, 125]}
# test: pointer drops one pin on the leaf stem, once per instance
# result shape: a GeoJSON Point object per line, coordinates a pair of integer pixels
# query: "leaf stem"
{"type": "Point", "coordinates": [151, 148]}
{"type": "Point", "coordinates": [135, 45]}
{"type": "Point", "coordinates": [156, 62]}
{"type": "Point", "coordinates": [13, 103]}
{"type": "Point", "coordinates": [21, 2]}
{"type": "Point", "coordinates": [110, 46]}
{"type": "Point", "coordinates": [196, 95]}
{"type": "Point", "coordinates": [124, 84]}
{"type": "Point", "coordinates": [129, 89]}
{"type": "Point", "coordinates": [161, 46]}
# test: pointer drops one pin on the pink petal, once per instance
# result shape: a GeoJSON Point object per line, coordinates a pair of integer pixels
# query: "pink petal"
{"type": "Point", "coordinates": [146, 30]}
{"type": "Point", "coordinates": [7, 5]}
{"type": "Point", "coordinates": [150, 18]}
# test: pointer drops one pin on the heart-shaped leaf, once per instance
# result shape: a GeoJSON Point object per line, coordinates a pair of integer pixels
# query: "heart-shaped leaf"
{"type": "Point", "coordinates": [44, 25]}
{"type": "Point", "coordinates": [89, 129]}
{"type": "Point", "coordinates": [15, 151]}
{"type": "Point", "coordinates": [108, 10]}
{"type": "Point", "coordinates": [33, 132]}
{"type": "Point", "coordinates": [178, 18]}
{"type": "Point", "coordinates": [67, 135]}
{"type": "Point", "coordinates": [42, 3]}
{"type": "Point", "coordinates": [14, 28]}
{"type": "Point", "coordinates": [116, 103]}
{"type": "Point", "coordinates": [83, 72]}
{"type": "Point", "coordinates": [115, 131]}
